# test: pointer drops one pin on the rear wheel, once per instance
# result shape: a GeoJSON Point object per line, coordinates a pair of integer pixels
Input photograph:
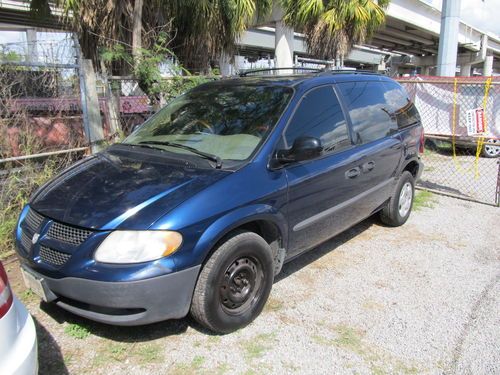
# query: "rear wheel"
{"type": "Point", "coordinates": [234, 284]}
{"type": "Point", "coordinates": [491, 150]}
{"type": "Point", "coordinates": [399, 207]}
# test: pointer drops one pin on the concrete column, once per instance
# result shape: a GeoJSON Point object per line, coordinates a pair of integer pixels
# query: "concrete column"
{"type": "Point", "coordinates": [283, 41]}
{"type": "Point", "coordinates": [488, 66]}
{"type": "Point", "coordinates": [465, 70]}
{"type": "Point", "coordinates": [425, 70]}
{"type": "Point", "coordinates": [32, 47]}
{"type": "Point", "coordinates": [448, 38]}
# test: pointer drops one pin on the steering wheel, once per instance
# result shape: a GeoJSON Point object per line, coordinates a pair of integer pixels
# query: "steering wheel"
{"type": "Point", "coordinates": [205, 124]}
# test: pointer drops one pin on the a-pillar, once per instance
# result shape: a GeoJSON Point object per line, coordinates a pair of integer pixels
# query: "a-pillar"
{"type": "Point", "coordinates": [283, 42]}
{"type": "Point", "coordinates": [488, 66]}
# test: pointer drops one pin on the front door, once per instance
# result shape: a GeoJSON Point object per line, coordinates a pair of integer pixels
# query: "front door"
{"type": "Point", "coordinates": [321, 190]}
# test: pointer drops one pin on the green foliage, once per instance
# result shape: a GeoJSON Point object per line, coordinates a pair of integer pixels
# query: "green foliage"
{"type": "Point", "coordinates": [15, 191]}
{"type": "Point", "coordinates": [146, 68]}
{"type": "Point", "coordinates": [77, 331]}
{"type": "Point", "coordinates": [423, 199]}
{"type": "Point", "coordinates": [332, 27]}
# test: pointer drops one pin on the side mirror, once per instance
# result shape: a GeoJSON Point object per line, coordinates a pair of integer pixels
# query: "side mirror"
{"type": "Point", "coordinates": [303, 148]}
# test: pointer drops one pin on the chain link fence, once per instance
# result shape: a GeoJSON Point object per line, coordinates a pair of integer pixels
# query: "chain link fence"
{"type": "Point", "coordinates": [40, 106]}
{"type": "Point", "coordinates": [135, 106]}
{"type": "Point", "coordinates": [461, 119]}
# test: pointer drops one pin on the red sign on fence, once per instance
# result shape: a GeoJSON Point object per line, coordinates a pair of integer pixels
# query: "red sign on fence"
{"type": "Point", "coordinates": [475, 121]}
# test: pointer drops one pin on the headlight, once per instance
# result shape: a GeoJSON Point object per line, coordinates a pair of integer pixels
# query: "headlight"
{"type": "Point", "coordinates": [137, 246]}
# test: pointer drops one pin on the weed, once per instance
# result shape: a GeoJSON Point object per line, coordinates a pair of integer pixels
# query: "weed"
{"type": "Point", "coordinates": [149, 353]}
{"type": "Point", "coordinates": [256, 347]}
{"type": "Point", "coordinates": [77, 331]}
{"type": "Point", "coordinates": [348, 338]}
{"type": "Point", "coordinates": [222, 368]}
{"type": "Point", "coordinates": [197, 361]}
{"type": "Point", "coordinates": [423, 199]}
{"type": "Point", "coordinates": [273, 304]}
{"type": "Point", "coordinates": [28, 296]}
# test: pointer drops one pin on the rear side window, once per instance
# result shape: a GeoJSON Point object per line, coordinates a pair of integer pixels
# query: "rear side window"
{"type": "Point", "coordinates": [400, 105]}
{"type": "Point", "coordinates": [320, 115]}
{"type": "Point", "coordinates": [371, 116]}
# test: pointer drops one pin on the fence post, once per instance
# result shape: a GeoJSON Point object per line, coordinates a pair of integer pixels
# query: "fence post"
{"type": "Point", "coordinates": [90, 104]}
{"type": "Point", "coordinates": [91, 111]}
{"type": "Point", "coordinates": [113, 107]}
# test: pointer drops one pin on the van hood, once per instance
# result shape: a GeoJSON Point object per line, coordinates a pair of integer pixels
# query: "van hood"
{"type": "Point", "coordinates": [123, 187]}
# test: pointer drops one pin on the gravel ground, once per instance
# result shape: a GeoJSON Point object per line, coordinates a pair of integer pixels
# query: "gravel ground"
{"type": "Point", "coordinates": [423, 298]}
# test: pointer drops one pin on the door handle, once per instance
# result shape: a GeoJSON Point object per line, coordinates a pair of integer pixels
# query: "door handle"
{"type": "Point", "coordinates": [353, 173]}
{"type": "Point", "coordinates": [367, 167]}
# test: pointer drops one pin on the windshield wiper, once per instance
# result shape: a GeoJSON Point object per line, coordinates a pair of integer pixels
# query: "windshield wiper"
{"type": "Point", "coordinates": [206, 155]}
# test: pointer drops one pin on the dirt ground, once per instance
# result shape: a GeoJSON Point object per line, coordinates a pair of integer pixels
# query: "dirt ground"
{"type": "Point", "coordinates": [422, 298]}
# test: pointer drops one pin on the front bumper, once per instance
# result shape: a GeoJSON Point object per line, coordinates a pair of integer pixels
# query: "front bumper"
{"type": "Point", "coordinates": [123, 303]}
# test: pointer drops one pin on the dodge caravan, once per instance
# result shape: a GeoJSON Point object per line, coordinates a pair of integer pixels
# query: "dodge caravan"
{"type": "Point", "coordinates": [199, 208]}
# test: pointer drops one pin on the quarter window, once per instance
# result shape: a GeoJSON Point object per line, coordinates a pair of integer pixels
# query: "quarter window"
{"type": "Point", "coordinates": [320, 115]}
{"type": "Point", "coordinates": [372, 118]}
{"type": "Point", "coordinates": [400, 105]}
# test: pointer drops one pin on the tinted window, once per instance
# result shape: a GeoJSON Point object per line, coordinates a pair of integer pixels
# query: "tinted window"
{"type": "Point", "coordinates": [370, 114]}
{"type": "Point", "coordinates": [319, 115]}
{"type": "Point", "coordinates": [400, 105]}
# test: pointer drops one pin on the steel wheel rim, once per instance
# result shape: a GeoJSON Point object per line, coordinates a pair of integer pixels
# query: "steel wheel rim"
{"type": "Point", "coordinates": [492, 150]}
{"type": "Point", "coordinates": [405, 199]}
{"type": "Point", "coordinates": [241, 285]}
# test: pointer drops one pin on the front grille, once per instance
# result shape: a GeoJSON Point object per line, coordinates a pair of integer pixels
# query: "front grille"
{"type": "Point", "coordinates": [53, 257]}
{"type": "Point", "coordinates": [33, 220]}
{"type": "Point", "coordinates": [67, 234]}
{"type": "Point", "coordinates": [25, 242]}
{"type": "Point", "coordinates": [32, 224]}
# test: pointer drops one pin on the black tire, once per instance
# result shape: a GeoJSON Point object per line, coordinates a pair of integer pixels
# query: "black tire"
{"type": "Point", "coordinates": [391, 214]}
{"type": "Point", "coordinates": [234, 283]}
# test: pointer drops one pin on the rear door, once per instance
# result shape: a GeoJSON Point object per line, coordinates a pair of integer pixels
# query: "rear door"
{"type": "Point", "coordinates": [321, 190]}
{"type": "Point", "coordinates": [377, 140]}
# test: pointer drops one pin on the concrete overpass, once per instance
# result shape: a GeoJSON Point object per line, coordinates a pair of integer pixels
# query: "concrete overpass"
{"type": "Point", "coordinates": [408, 43]}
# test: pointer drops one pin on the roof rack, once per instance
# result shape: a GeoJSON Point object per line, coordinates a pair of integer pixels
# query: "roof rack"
{"type": "Point", "coordinates": [347, 71]}
{"type": "Point", "coordinates": [320, 72]}
{"type": "Point", "coordinates": [253, 71]}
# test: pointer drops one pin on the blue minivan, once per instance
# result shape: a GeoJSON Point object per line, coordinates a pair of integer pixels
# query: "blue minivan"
{"type": "Point", "coordinates": [199, 208]}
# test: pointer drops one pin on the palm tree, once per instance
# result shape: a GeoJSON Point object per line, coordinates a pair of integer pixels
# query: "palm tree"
{"type": "Point", "coordinates": [332, 27]}
{"type": "Point", "coordinates": [200, 30]}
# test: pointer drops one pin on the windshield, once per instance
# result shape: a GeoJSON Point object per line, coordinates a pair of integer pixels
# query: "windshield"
{"type": "Point", "coordinates": [226, 121]}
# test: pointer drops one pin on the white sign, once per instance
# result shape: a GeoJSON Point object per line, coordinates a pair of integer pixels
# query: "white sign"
{"type": "Point", "coordinates": [475, 121]}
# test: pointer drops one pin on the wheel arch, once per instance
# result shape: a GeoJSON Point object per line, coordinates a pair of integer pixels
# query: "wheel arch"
{"type": "Point", "coordinates": [263, 220]}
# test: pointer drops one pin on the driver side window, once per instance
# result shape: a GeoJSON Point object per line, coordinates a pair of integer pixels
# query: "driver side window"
{"type": "Point", "coordinates": [320, 115]}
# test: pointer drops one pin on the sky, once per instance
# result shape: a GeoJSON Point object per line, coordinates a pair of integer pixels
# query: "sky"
{"type": "Point", "coordinates": [482, 14]}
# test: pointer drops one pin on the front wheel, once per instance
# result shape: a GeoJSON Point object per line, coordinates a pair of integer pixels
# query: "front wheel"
{"type": "Point", "coordinates": [234, 284]}
{"type": "Point", "coordinates": [399, 207]}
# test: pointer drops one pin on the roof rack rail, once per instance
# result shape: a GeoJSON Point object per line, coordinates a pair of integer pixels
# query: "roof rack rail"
{"type": "Point", "coordinates": [320, 72]}
{"type": "Point", "coordinates": [253, 71]}
{"type": "Point", "coordinates": [347, 71]}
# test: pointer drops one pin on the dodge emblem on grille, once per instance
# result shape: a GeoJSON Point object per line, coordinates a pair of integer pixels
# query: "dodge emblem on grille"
{"type": "Point", "coordinates": [35, 238]}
